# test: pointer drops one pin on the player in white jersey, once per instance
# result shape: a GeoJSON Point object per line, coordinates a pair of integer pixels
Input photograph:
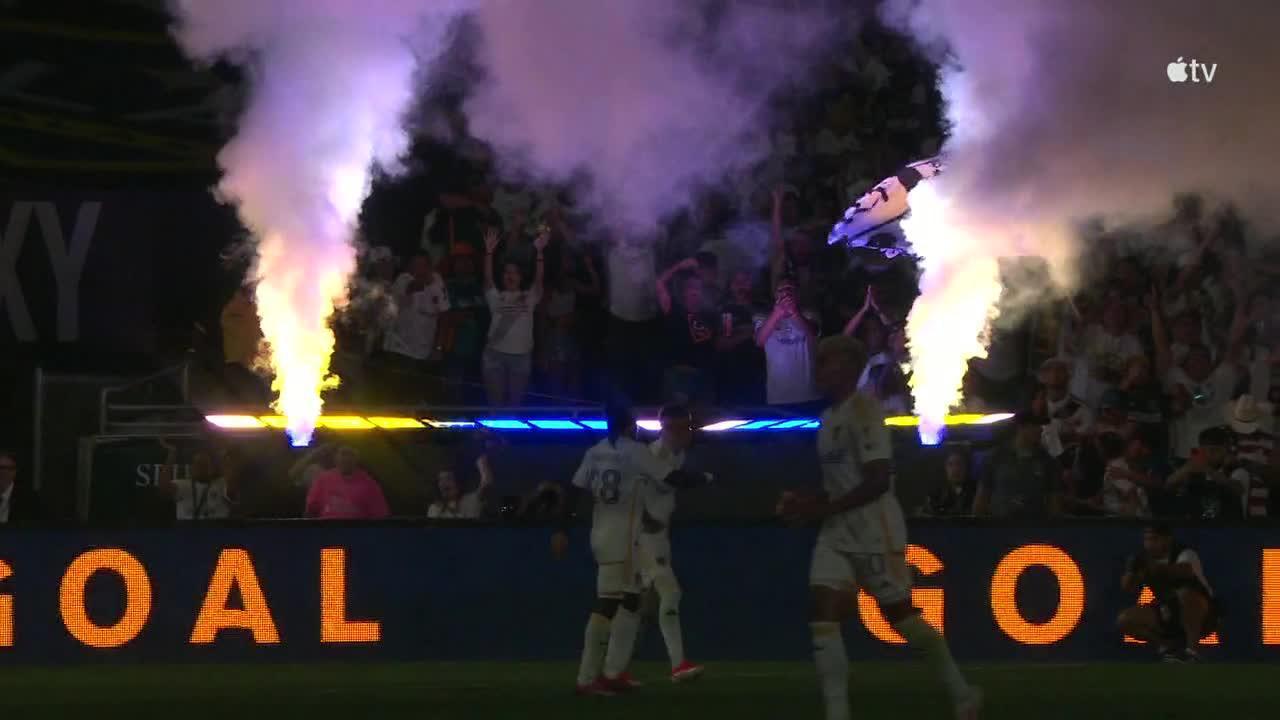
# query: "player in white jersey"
{"type": "Point", "coordinates": [617, 472]}
{"type": "Point", "coordinates": [656, 573]}
{"type": "Point", "coordinates": [862, 543]}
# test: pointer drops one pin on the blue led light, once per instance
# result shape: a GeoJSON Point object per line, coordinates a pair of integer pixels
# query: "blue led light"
{"type": "Point", "coordinates": [595, 424]}
{"type": "Point", "coordinates": [791, 424]}
{"type": "Point", "coordinates": [555, 424]}
{"type": "Point", "coordinates": [757, 425]}
{"type": "Point", "coordinates": [504, 424]}
{"type": "Point", "coordinates": [812, 425]}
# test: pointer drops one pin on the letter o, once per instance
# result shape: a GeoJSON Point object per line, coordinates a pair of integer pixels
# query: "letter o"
{"type": "Point", "coordinates": [1004, 603]}
{"type": "Point", "coordinates": [137, 608]}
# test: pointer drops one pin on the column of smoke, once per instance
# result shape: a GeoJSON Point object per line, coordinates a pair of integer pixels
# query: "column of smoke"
{"type": "Point", "coordinates": [331, 82]}
{"type": "Point", "coordinates": [653, 99]}
{"type": "Point", "coordinates": [1062, 110]}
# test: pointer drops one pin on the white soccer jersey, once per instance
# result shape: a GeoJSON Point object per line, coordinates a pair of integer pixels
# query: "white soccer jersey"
{"type": "Point", "coordinates": [853, 434]}
{"type": "Point", "coordinates": [659, 497]}
{"type": "Point", "coordinates": [618, 476]}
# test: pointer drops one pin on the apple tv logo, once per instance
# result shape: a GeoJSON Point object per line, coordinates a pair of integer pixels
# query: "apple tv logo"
{"type": "Point", "coordinates": [1177, 71]}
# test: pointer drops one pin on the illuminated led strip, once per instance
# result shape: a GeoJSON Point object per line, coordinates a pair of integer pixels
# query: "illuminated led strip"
{"type": "Point", "coordinates": [357, 422]}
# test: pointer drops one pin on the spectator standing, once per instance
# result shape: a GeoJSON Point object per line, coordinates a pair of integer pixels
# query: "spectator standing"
{"type": "Point", "coordinates": [347, 492]}
{"type": "Point", "coordinates": [1255, 468]}
{"type": "Point", "coordinates": [1068, 417]}
{"type": "Point", "coordinates": [789, 338]}
{"type": "Point", "coordinates": [1125, 481]}
{"type": "Point", "coordinates": [452, 503]}
{"type": "Point", "coordinates": [508, 354]}
{"type": "Point", "coordinates": [1021, 479]}
{"type": "Point", "coordinates": [633, 309]}
{"type": "Point", "coordinates": [420, 297]}
{"type": "Point", "coordinates": [954, 496]}
{"type": "Point", "coordinates": [207, 494]}
{"type": "Point", "coordinates": [1101, 353]}
{"type": "Point", "coordinates": [691, 336]}
{"type": "Point", "coordinates": [741, 363]}
{"type": "Point", "coordinates": [1202, 488]}
{"type": "Point", "coordinates": [873, 337]}
{"type": "Point", "coordinates": [19, 506]}
{"type": "Point", "coordinates": [1197, 390]}
{"type": "Point", "coordinates": [560, 353]}
{"type": "Point", "coordinates": [463, 327]}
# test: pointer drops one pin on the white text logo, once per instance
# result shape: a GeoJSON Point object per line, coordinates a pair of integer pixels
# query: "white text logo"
{"type": "Point", "coordinates": [1177, 71]}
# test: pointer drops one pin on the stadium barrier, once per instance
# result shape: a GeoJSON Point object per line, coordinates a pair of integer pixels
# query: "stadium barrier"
{"type": "Point", "coordinates": [324, 592]}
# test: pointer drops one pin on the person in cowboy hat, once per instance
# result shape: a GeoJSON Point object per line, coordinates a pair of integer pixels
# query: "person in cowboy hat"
{"type": "Point", "coordinates": [1254, 451]}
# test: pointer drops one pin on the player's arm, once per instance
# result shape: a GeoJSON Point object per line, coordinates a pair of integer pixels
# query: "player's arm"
{"type": "Point", "coordinates": [686, 479]}
{"type": "Point", "coordinates": [875, 482]}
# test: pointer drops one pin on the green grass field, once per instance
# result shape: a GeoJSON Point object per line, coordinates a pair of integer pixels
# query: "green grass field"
{"type": "Point", "coordinates": [743, 691]}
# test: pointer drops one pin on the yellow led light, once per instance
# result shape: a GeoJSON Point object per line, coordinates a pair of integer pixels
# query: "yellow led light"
{"type": "Point", "coordinates": [959, 419]}
{"type": "Point", "coordinates": [276, 422]}
{"type": "Point", "coordinates": [344, 422]}
{"type": "Point", "coordinates": [396, 423]}
{"type": "Point", "coordinates": [233, 422]}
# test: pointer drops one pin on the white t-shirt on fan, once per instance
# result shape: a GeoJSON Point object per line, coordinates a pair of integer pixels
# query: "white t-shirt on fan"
{"type": "Point", "coordinates": [511, 327]}
{"type": "Point", "coordinates": [789, 359]}
{"type": "Point", "coordinates": [413, 331]}
{"type": "Point", "coordinates": [1205, 411]}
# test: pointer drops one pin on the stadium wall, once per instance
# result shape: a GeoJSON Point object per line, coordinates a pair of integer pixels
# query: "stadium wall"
{"type": "Point", "coordinates": [314, 592]}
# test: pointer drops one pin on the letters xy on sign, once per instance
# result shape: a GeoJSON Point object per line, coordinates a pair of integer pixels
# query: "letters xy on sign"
{"type": "Point", "coordinates": [66, 257]}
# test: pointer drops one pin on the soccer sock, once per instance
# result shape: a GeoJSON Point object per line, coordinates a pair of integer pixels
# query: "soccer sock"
{"type": "Point", "coordinates": [669, 618]}
{"type": "Point", "coordinates": [921, 635]}
{"type": "Point", "coordinates": [833, 668]}
{"type": "Point", "coordinates": [622, 641]}
{"type": "Point", "coordinates": [593, 648]}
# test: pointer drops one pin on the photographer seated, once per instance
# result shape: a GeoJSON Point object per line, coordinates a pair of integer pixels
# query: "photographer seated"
{"type": "Point", "coordinates": [1184, 610]}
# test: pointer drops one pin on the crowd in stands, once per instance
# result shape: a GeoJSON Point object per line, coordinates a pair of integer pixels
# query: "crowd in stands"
{"type": "Point", "coordinates": [1148, 392]}
{"type": "Point", "coordinates": [1160, 396]}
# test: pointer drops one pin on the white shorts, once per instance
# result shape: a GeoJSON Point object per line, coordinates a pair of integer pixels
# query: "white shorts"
{"type": "Point", "coordinates": [884, 576]}
{"type": "Point", "coordinates": [655, 557]}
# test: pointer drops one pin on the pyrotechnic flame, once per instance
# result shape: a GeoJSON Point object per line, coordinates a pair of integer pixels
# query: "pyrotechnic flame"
{"type": "Point", "coordinates": [949, 322]}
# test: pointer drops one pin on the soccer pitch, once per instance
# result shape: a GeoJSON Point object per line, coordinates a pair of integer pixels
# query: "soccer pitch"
{"type": "Point", "coordinates": [743, 691]}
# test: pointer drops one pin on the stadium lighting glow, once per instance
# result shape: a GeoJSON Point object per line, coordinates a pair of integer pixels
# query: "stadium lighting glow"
{"type": "Point", "coordinates": [504, 424]}
{"type": "Point", "coordinates": [394, 422]}
{"type": "Point", "coordinates": [344, 422]}
{"type": "Point", "coordinates": [450, 424]}
{"type": "Point", "coordinates": [725, 425]}
{"type": "Point", "coordinates": [555, 424]}
{"type": "Point", "coordinates": [234, 422]}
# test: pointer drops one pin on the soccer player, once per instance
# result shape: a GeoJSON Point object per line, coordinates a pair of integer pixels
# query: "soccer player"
{"type": "Point", "coordinates": [656, 573]}
{"type": "Point", "coordinates": [617, 472]}
{"type": "Point", "coordinates": [862, 542]}
{"type": "Point", "coordinates": [1184, 611]}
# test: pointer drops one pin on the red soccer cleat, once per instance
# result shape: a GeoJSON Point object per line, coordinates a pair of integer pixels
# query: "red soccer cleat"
{"type": "Point", "coordinates": [631, 683]}
{"type": "Point", "coordinates": [598, 688]}
{"type": "Point", "coordinates": [622, 683]}
{"type": "Point", "coordinates": [686, 671]}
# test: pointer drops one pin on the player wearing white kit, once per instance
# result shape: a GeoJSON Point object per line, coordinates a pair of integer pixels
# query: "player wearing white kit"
{"type": "Point", "coordinates": [862, 543]}
{"type": "Point", "coordinates": [656, 571]}
{"type": "Point", "coordinates": [617, 472]}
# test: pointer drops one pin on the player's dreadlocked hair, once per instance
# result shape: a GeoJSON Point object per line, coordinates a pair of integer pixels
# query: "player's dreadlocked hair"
{"type": "Point", "coordinates": [622, 422]}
